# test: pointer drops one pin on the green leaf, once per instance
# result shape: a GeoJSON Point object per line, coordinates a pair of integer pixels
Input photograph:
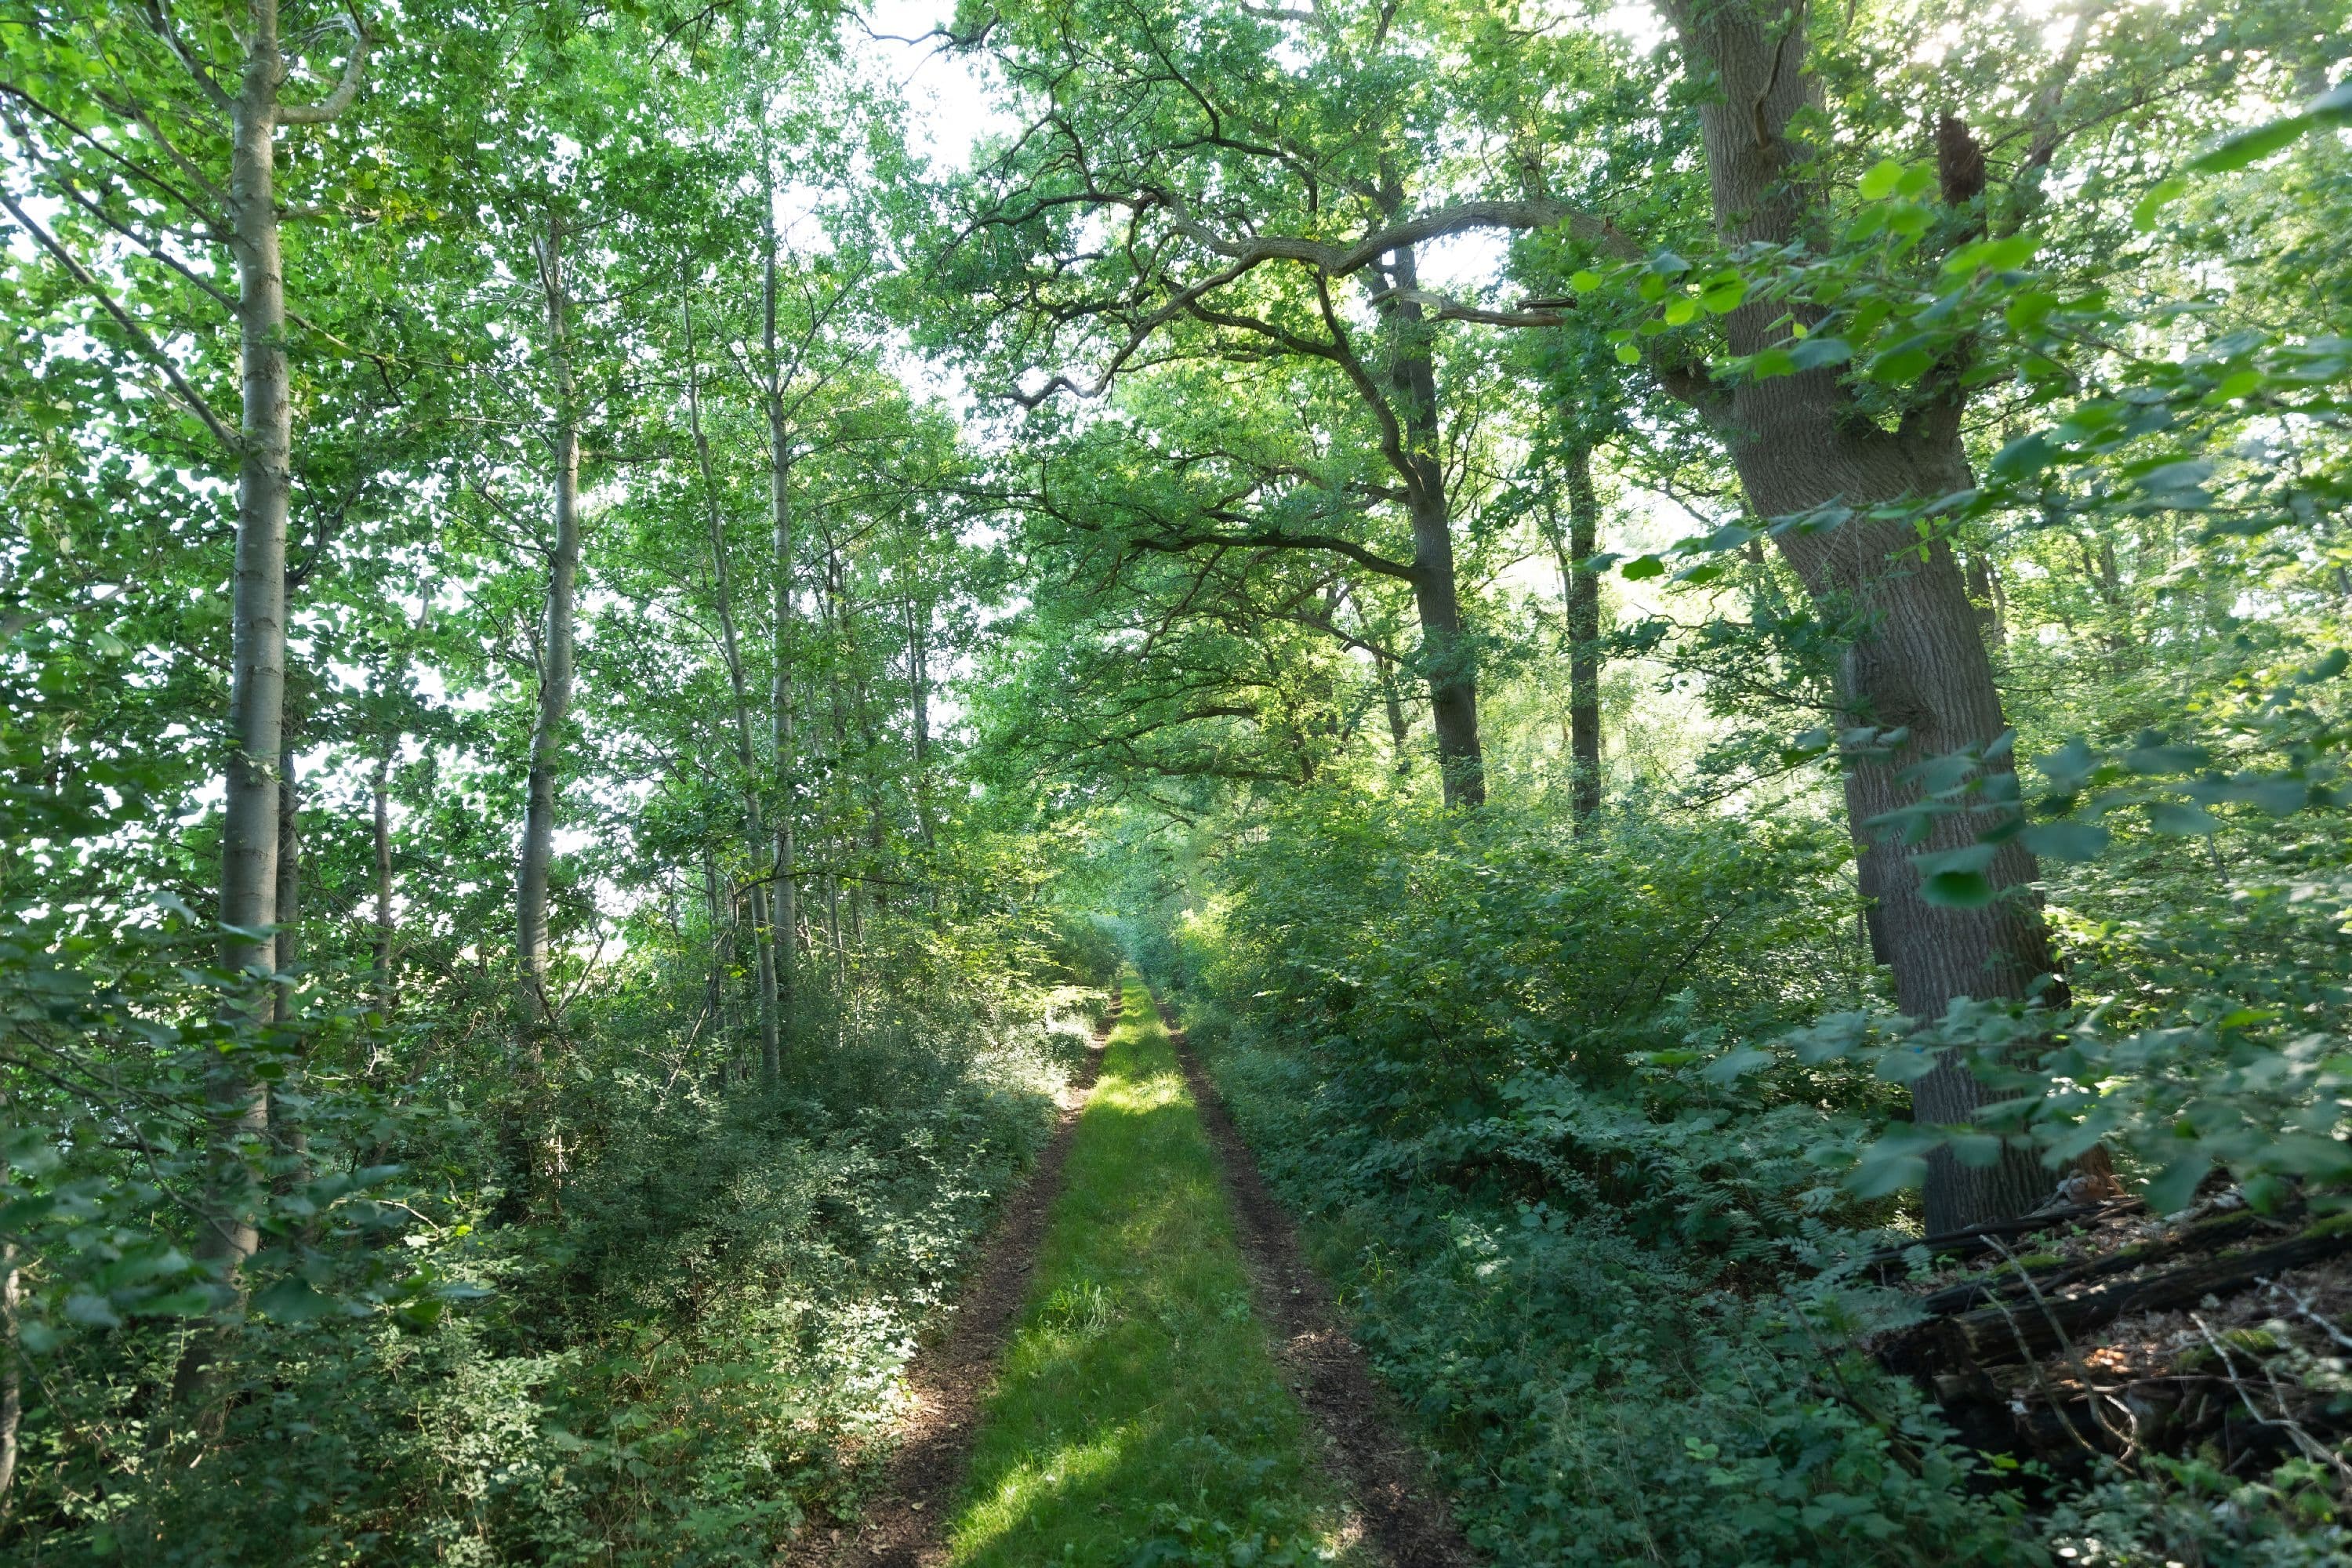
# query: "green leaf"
{"type": "Point", "coordinates": [1681, 309]}
{"type": "Point", "coordinates": [1883, 1175]}
{"type": "Point", "coordinates": [2250, 146]}
{"type": "Point", "coordinates": [1814, 353]}
{"type": "Point", "coordinates": [291, 1300]}
{"type": "Point", "coordinates": [1959, 890]}
{"type": "Point", "coordinates": [2004, 254]}
{"type": "Point", "coordinates": [2160, 196]}
{"type": "Point", "coordinates": [2185, 820]}
{"type": "Point", "coordinates": [2176, 1185]}
{"type": "Point", "coordinates": [1904, 364]}
{"type": "Point", "coordinates": [1641, 567]}
{"type": "Point", "coordinates": [2029, 310]}
{"type": "Point", "coordinates": [2066, 841]}
{"type": "Point", "coordinates": [1976, 1151]}
{"type": "Point", "coordinates": [1738, 1064]}
{"type": "Point", "coordinates": [91, 1311]}
{"type": "Point", "coordinates": [2024, 457]}
{"type": "Point", "coordinates": [1724, 296]}
{"type": "Point", "coordinates": [1583, 281]}
{"type": "Point", "coordinates": [1880, 181]}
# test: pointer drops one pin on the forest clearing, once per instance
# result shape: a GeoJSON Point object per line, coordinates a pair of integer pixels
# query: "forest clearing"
{"type": "Point", "coordinates": [1154, 783]}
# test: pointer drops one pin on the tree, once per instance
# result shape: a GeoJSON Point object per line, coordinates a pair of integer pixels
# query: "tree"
{"type": "Point", "coordinates": [1179, 138]}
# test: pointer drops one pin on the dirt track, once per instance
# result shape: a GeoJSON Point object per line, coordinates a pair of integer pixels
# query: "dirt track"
{"type": "Point", "coordinates": [904, 1519]}
{"type": "Point", "coordinates": [1388, 1487]}
{"type": "Point", "coordinates": [1382, 1474]}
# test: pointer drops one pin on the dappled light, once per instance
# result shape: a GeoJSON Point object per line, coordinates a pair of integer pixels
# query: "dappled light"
{"type": "Point", "coordinates": [1176, 784]}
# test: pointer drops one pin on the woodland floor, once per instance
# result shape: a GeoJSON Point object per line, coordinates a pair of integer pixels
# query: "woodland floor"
{"type": "Point", "coordinates": [1143, 1367]}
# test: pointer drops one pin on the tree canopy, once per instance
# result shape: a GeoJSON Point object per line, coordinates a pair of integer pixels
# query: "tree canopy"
{"type": "Point", "coordinates": [1698, 641]}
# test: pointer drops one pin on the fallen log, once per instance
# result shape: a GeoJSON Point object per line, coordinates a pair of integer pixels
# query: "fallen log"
{"type": "Point", "coordinates": [2008, 1332]}
{"type": "Point", "coordinates": [1978, 1239]}
{"type": "Point", "coordinates": [2012, 1285]}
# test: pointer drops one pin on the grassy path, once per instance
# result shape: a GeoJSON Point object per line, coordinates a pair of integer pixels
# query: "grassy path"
{"type": "Point", "coordinates": [1138, 1416]}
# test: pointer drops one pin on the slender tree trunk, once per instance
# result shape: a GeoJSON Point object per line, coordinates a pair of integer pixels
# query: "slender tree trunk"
{"type": "Point", "coordinates": [1921, 664]}
{"type": "Point", "coordinates": [1584, 637]}
{"type": "Point", "coordinates": [555, 674]}
{"type": "Point", "coordinates": [1400, 732]}
{"type": "Point", "coordinates": [287, 1131]}
{"type": "Point", "coordinates": [763, 933]}
{"type": "Point", "coordinates": [289, 884]}
{"type": "Point", "coordinates": [248, 900]}
{"type": "Point", "coordinates": [12, 1376]}
{"type": "Point", "coordinates": [919, 699]}
{"type": "Point", "coordinates": [722, 962]}
{"type": "Point", "coordinates": [1448, 661]}
{"type": "Point", "coordinates": [779, 702]}
{"type": "Point", "coordinates": [387, 995]}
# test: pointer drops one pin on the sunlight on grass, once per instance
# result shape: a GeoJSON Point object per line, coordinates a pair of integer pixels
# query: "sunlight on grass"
{"type": "Point", "coordinates": [1137, 1407]}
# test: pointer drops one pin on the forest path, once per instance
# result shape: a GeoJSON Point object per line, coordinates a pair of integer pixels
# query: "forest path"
{"type": "Point", "coordinates": [948, 1377]}
{"type": "Point", "coordinates": [1175, 1390]}
{"type": "Point", "coordinates": [1386, 1478]}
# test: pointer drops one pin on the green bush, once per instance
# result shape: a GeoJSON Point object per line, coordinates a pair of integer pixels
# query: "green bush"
{"type": "Point", "coordinates": [671, 1371]}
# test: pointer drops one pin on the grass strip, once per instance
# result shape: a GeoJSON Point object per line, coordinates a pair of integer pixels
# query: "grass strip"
{"type": "Point", "coordinates": [1138, 1416]}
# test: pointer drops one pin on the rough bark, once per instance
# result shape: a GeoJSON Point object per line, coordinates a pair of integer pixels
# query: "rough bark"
{"type": "Point", "coordinates": [1584, 587]}
{"type": "Point", "coordinates": [555, 660]}
{"type": "Point", "coordinates": [1448, 661]}
{"type": "Point", "coordinates": [1920, 665]}
{"type": "Point", "coordinates": [764, 936]}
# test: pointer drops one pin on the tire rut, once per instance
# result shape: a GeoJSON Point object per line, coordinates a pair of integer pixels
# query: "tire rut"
{"type": "Point", "coordinates": [1405, 1513]}
{"type": "Point", "coordinates": [904, 1521]}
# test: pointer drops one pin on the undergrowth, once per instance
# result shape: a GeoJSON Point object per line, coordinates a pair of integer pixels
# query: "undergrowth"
{"type": "Point", "coordinates": [677, 1370]}
{"type": "Point", "coordinates": [1612, 1282]}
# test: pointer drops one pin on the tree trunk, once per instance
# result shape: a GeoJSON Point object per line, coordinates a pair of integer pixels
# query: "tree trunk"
{"type": "Point", "coordinates": [1583, 586]}
{"type": "Point", "coordinates": [918, 699]}
{"type": "Point", "coordinates": [780, 500]}
{"type": "Point", "coordinates": [1921, 663]}
{"type": "Point", "coordinates": [1400, 732]}
{"type": "Point", "coordinates": [11, 1375]}
{"type": "Point", "coordinates": [387, 995]}
{"type": "Point", "coordinates": [289, 884]}
{"type": "Point", "coordinates": [1449, 662]}
{"type": "Point", "coordinates": [286, 1129]}
{"type": "Point", "coordinates": [248, 897]}
{"type": "Point", "coordinates": [555, 672]}
{"type": "Point", "coordinates": [764, 936]}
